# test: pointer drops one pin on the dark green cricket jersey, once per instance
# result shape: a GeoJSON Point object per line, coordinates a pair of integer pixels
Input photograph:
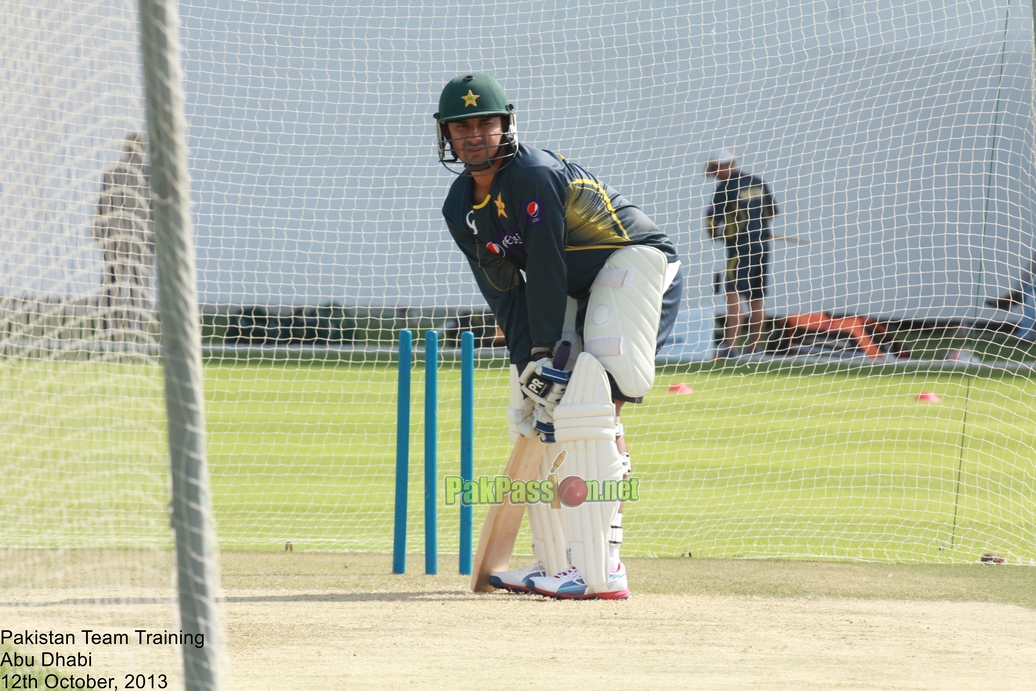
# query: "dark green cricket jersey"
{"type": "Point", "coordinates": [745, 205]}
{"type": "Point", "coordinates": [552, 220]}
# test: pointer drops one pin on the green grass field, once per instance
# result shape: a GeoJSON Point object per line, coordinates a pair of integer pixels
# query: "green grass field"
{"type": "Point", "coordinates": [784, 463]}
{"type": "Point", "coordinates": [815, 479]}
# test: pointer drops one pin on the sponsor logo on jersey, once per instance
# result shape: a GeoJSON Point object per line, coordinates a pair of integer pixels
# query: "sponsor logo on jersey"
{"type": "Point", "coordinates": [503, 242]}
{"type": "Point", "coordinates": [533, 209]}
{"type": "Point", "coordinates": [470, 220]}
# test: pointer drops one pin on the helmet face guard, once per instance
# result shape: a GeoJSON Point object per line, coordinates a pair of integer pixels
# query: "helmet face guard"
{"type": "Point", "coordinates": [448, 157]}
{"type": "Point", "coordinates": [473, 96]}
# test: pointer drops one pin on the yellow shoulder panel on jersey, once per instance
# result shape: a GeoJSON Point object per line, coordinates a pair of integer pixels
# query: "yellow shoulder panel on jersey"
{"type": "Point", "coordinates": [750, 193]}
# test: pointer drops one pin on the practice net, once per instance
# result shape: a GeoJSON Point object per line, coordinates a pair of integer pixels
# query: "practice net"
{"type": "Point", "coordinates": [898, 141]}
{"type": "Point", "coordinates": [85, 495]}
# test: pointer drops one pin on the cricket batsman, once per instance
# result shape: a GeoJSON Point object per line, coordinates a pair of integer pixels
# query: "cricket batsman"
{"type": "Point", "coordinates": [559, 257]}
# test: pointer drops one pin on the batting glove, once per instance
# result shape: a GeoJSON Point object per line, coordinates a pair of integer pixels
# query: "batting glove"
{"type": "Point", "coordinates": [544, 384]}
{"type": "Point", "coordinates": [544, 425]}
{"type": "Point", "coordinates": [520, 420]}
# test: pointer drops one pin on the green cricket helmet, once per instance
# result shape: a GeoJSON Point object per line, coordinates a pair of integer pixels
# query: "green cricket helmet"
{"type": "Point", "coordinates": [470, 96]}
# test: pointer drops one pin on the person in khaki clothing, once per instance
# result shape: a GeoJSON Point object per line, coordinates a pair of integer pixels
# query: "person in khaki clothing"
{"type": "Point", "coordinates": [124, 229]}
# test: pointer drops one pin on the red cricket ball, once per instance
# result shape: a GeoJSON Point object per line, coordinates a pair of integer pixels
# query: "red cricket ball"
{"type": "Point", "coordinates": [572, 491]}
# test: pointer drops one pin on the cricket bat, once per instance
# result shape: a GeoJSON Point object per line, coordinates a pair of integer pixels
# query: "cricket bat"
{"type": "Point", "coordinates": [790, 239]}
{"type": "Point", "coordinates": [500, 530]}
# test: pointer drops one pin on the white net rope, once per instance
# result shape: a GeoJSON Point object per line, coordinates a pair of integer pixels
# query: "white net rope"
{"type": "Point", "coordinates": [86, 541]}
{"type": "Point", "coordinates": [898, 141]}
{"type": "Point", "coordinates": [83, 448]}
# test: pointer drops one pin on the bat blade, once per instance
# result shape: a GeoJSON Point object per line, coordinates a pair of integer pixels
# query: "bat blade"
{"type": "Point", "coordinates": [500, 530]}
{"type": "Point", "coordinates": [791, 239]}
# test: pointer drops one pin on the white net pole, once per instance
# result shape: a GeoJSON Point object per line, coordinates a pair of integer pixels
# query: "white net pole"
{"type": "Point", "coordinates": [181, 342]}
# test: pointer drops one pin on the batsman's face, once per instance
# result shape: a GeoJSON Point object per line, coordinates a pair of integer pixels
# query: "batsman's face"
{"type": "Point", "coordinates": [476, 140]}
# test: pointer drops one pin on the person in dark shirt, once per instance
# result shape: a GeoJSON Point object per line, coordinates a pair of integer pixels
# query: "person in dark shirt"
{"type": "Point", "coordinates": [740, 215]}
{"type": "Point", "coordinates": [537, 230]}
{"type": "Point", "coordinates": [1024, 294]}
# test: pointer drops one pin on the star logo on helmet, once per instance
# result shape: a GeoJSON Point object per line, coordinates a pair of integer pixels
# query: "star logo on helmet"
{"type": "Point", "coordinates": [499, 201]}
{"type": "Point", "coordinates": [471, 99]}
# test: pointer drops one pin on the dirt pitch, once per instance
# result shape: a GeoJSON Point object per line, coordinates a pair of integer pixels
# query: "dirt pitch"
{"type": "Point", "coordinates": [324, 621]}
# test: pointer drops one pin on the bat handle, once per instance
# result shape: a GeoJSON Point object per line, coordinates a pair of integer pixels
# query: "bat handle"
{"type": "Point", "coordinates": [561, 357]}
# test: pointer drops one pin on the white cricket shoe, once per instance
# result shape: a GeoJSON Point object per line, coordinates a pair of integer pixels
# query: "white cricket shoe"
{"type": "Point", "coordinates": [517, 581]}
{"type": "Point", "coordinates": [569, 585]}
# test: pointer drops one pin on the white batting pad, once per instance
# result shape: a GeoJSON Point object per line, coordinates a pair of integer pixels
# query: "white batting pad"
{"type": "Point", "coordinates": [622, 316]}
{"type": "Point", "coordinates": [588, 438]}
{"type": "Point", "coordinates": [548, 533]}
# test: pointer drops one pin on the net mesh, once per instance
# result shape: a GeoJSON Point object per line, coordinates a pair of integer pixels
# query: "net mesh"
{"type": "Point", "coordinates": [86, 541]}
{"type": "Point", "coordinates": [897, 140]}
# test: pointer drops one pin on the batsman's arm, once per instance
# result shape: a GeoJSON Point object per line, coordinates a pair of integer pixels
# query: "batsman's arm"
{"type": "Point", "coordinates": [501, 285]}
